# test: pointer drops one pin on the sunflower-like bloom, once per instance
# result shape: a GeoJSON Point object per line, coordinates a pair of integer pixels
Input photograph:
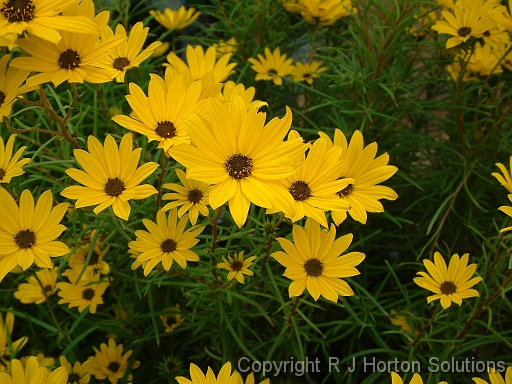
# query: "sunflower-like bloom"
{"type": "Point", "coordinates": [273, 66]}
{"type": "Point", "coordinates": [77, 374]}
{"type": "Point", "coordinates": [231, 88]}
{"type": "Point", "coordinates": [41, 18]}
{"type": "Point", "coordinates": [237, 266]}
{"type": "Point", "coordinates": [307, 71]}
{"type": "Point", "coordinates": [416, 379]}
{"type": "Point", "coordinates": [111, 176]}
{"type": "Point", "coordinates": [109, 362]}
{"type": "Point", "coordinates": [38, 287]}
{"type": "Point", "coordinates": [198, 377]}
{"type": "Point", "coordinates": [470, 18]}
{"type": "Point", "coordinates": [172, 320]}
{"type": "Point", "coordinates": [504, 180]}
{"type": "Point", "coordinates": [321, 12]}
{"type": "Point", "coordinates": [127, 54]}
{"type": "Point", "coordinates": [201, 62]}
{"type": "Point", "coordinates": [6, 333]}
{"type": "Point", "coordinates": [83, 294]}
{"type": "Point", "coordinates": [27, 234]}
{"type": "Point", "coordinates": [178, 20]}
{"type": "Point", "coordinates": [10, 86]}
{"type": "Point", "coordinates": [250, 379]}
{"type": "Point", "coordinates": [315, 263]}
{"type": "Point", "coordinates": [367, 171]}
{"type": "Point", "coordinates": [484, 59]}
{"type": "Point", "coordinates": [159, 116]}
{"type": "Point", "coordinates": [166, 242]}
{"type": "Point", "coordinates": [402, 322]}
{"type": "Point", "coordinates": [450, 283]}
{"type": "Point", "coordinates": [313, 187]}
{"type": "Point", "coordinates": [507, 210]}
{"type": "Point", "coordinates": [70, 59]}
{"type": "Point", "coordinates": [192, 196]}
{"type": "Point", "coordinates": [496, 378]}
{"type": "Point", "coordinates": [10, 166]}
{"type": "Point", "coordinates": [240, 155]}
{"type": "Point", "coordinates": [223, 47]}
{"type": "Point", "coordinates": [33, 374]}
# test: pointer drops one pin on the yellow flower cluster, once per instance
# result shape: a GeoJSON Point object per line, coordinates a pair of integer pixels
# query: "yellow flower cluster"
{"type": "Point", "coordinates": [321, 13]}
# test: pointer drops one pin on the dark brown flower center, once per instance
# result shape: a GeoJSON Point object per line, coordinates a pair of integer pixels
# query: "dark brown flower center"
{"type": "Point", "coordinates": [314, 267]}
{"type": "Point", "coordinates": [88, 294]}
{"type": "Point", "coordinates": [48, 288]}
{"type": "Point", "coordinates": [113, 366]}
{"type": "Point", "coordinates": [95, 256]}
{"type": "Point", "coordinates": [237, 266]}
{"type": "Point", "coordinates": [171, 366]}
{"type": "Point", "coordinates": [168, 246]}
{"type": "Point", "coordinates": [73, 378]}
{"type": "Point", "coordinates": [170, 321]}
{"type": "Point", "coordinates": [346, 191]}
{"type": "Point", "coordinates": [272, 72]}
{"type": "Point", "coordinates": [25, 239]}
{"type": "Point", "coordinates": [165, 129]}
{"type": "Point", "coordinates": [69, 59]}
{"type": "Point", "coordinates": [114, 187]}
{"type": "Point", "coordinates": [18, 10]}
{"type": "Point", "coordinates": [300, 190]}
{"type": "Point", "coordinates": [448, 288]}
{"type": "Point", "coordinates": [2, 173]}
{"type": "Point", "coordinates": [464, 31]}
{"type": "Point", "coordinates": [306, 75]}
{"type": "Point", "coordinates": [195, 196]}
{"type": "Point", "coordinates": [120, 63]}
{"type": "Point", "coordinates": [2, 97]}
{"type": "Point", "coordinates": [239, 166]}
{"type": "Point", "coordinates": [487, 33]}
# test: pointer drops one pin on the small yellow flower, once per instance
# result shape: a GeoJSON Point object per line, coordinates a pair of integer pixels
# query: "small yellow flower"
{"type": "Point", "coordinates": [237, 266]}
{"type": "Point", "coordinates": [231, 88]}
{"type": "Point", "coordinates": [506, 179]}
{"type": "Point", "coordinates": [10, 87]}
{"type": "Point", "coordinates": [39, 287]}
{"type": "Point", "coordinates": [179, 19]}
{"type": "Point", "coordinates": [223, 47]}
{"type": "Point", "coordinates": [496, 378]}
{"type": "Point", "coordinates": [273, 66]}
{"type": "Point", "coordinates": [401, 321]}
{"type": "Point", "coordinates": [6, 333]}
{"type": "Point", "coordinates": [77, 374]}
{"type": "Point", "coordinates": [396, 379]}
{"type": "Point", "coordinates": [84, 294]}
{"type": "Point", "coordinates": [172, 320]}
{"type": "Point", "coordinates": [307, 71]}
{"type": "Point", "coordinates": [198, 377]}
{"type": "Point", "coordinates": [33, 373]}
{"type": "Point", "coordinates": [10, 166]}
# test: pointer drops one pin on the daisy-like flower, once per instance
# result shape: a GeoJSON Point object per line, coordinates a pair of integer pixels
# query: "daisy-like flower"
{"type": "Point", "coordinates": [127, 54]}
{"type": "Point", "coordinates": [33, 374]}
{"type": "Point", "coordinates": [10, 87]}
{"type": "Point", "coordinates": [469, 19]}
{"type": "Point", "coordinates": [159, 116]}
{"type": "Point", "coordinates": [402, 322]}
{"type": "Point", "coordinates": [504, 180]}
{"type": "Point", "coordinates": [10, 166]}
{"type": "Point", "coordinates": [396, 379]}
{"type": "Point", "coordinates": [111, 176]}
{"type": "Point", "coordinates": [166, 242]}
{"type": "Point", "coordinates": [37, 289]}
{"type": "Point", "coordinates": [250, 379]}
{"type": "Point", "coordinates": [496, 378]}
{"type": "Point", "coordinates": [273, 66]}
{"type": "Point", "coordinates": [192, 196]}
{"type": "Point", "coordinates": [178, 20]}
{"type": "Point", "coordinates": [77, 374]}
{"type": "Point", "coordinates": [324, 12]}
{"type": "Point", "coordinates": [172, 320]}
{"type": "Point", "coordinates": [109, 362]}
{"type": "Point", "coordinates": [223, 47]}
{"type": "Point", "coordinates": [313, 187]}
{"type": "Point", "coordinates": [307, 71]}
{"type": "Point", "coordinates": [41, 18]}
{"type": "Point", "coordinates": [84, 294]}
{"type": "Point", "coordinates": [198, 377]}
{"type": "Point", "coordinates": [363, 193]}
{"type": "Point", "coordinates": [27, 234]}
{"type": "Point", "coordinates": [240, 155]}
{"type": "Point", "coordinates": [315, 263]}
{"type": "Point", "coordinates": [237, 266]}
{"type": "Point", "coordinates": [450, 283]}
{"type": "Point", "coordinates": [6, 333]}
{"type": "Point", "coordinates": [231, 88]}
{"type": "Point", "coordinates": [70, 59]}
{"type": "Point", "coordinates": [201, 62]}
{"type": "Point", "coordinates": [507, 210]}
{"type": "Point", "coordinates": [483, 60]}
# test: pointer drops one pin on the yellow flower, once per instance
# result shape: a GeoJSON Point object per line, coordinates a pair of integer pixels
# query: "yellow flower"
{"type": "Point", "coordinates": [10, 166]}
{"type": "Point", "coordinates": [10, 87]}
{"type": "Point", "coordinates": [126, 55]}
{"type": "Point", "coordinates": [496, 378]}
{"type": "Point", "coordinates": [315, 262]}
{"type": "Point", "coordinates": [396, 379]}
{"type": "Point", "coordinates": [165, 241]}
{"type": "Point", "coordinates": [200, 63]}
{"type": "Point", "coordinates": [483, 60]}
{"type": "Point", "coordinates": [27, 234]}
{"type": "Point", "coordinates": [247, 156]}
{"type": "Point", "coordinates": [223, 47]}
{"type": "Point", "coordinates": [192, 196]}
{"type": "Point", "coordinates": [41, 18]}
{"type": "Point", "coordinates": [111, 176]}
{"type": "Point", "coordinates": [504, 180]}
{"type": "Point", "coordinates": [325, 12]}
{"type": "Point", "coordinates": [179, 19]}
{"type": "Point", "coordinates": [307, 71]}
{"type": "Point", "coordinates": [77, 374]}
{"type": "Point", "coordinates": [273, 66]}
{"type": "Point", "coordinates": [401, 321]}
{"type": "Point", "coordinates": [250, 379]}
{"type": "Point", "coordinates": [33, 374]}
{"type": "Point", "coordinates": [109, 362]}
{"type": "Point", "coordinates": [198, 377]}
{"type": "Point", "coordinates": [37, 289]}
{"type": "Point", "coordinates": [6, 334]}
{"type": "Point", "coordinates": [237, 266]}
{"type": "Point", "coordinates": [84, 294]}
{"type": "Point", "coordinates": [172, 320]}
{"type": "Point", "coordinates": [231, 88]}
{"type": "Point", "coordinates": [449, 284]}
{"type": "Point", "coordinates": [507, 210]}
{"type": "Point", "coordinates": [161, 49]}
